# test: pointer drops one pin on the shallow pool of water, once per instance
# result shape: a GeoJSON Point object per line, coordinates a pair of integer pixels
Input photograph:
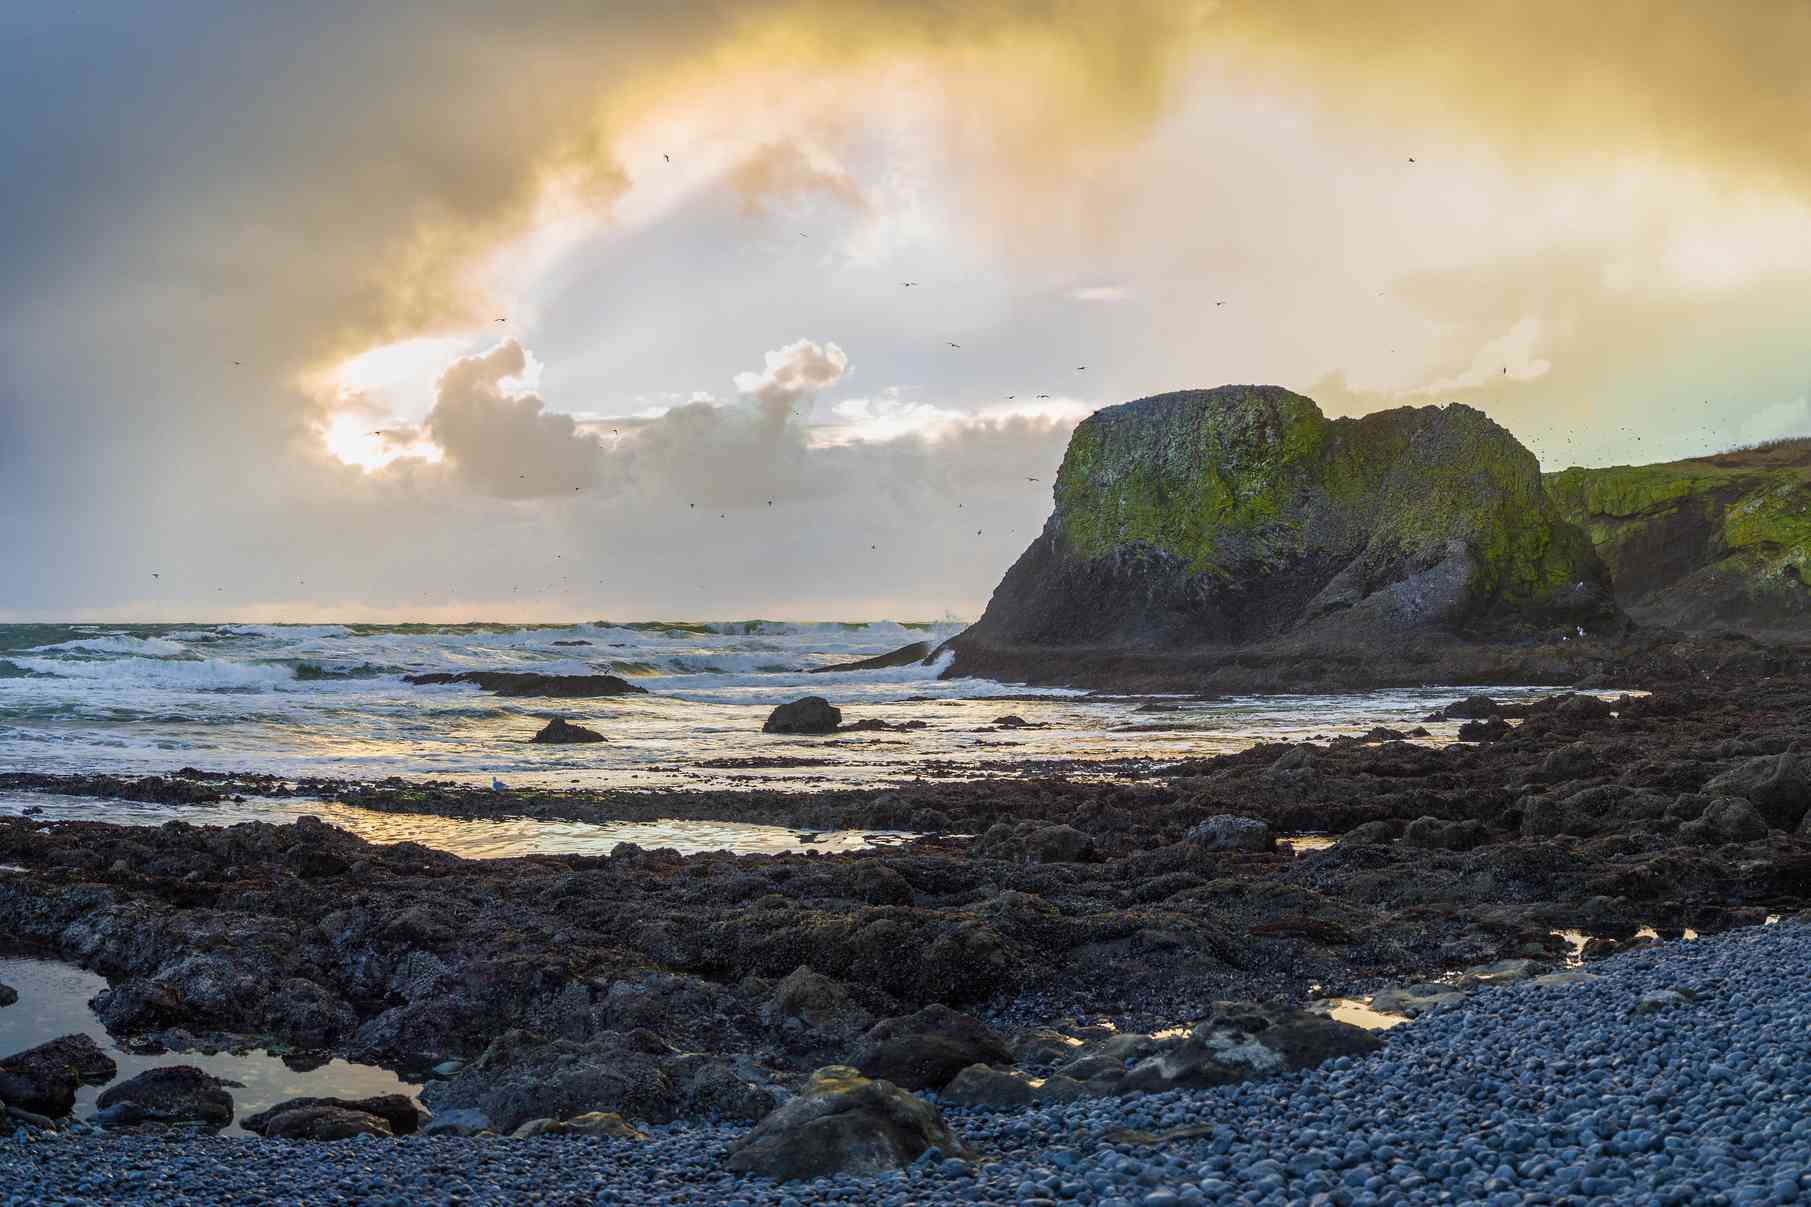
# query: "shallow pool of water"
{"type": "Point", "coordinates": [470, 838]}
{"type": "Point", "coordinates": [53, 1001]}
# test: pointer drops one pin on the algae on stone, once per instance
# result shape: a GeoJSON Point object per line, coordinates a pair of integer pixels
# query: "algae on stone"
{"type": "Point", "coordinates": [1713, 541]}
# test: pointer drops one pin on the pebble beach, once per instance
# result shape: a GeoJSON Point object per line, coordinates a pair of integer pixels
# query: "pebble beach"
{"type": "Point", "coordinates": [1679, 1075]}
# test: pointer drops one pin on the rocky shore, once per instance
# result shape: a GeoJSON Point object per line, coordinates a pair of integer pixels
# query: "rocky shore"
{"type": "Point", "coordinates": [1673, 1074]}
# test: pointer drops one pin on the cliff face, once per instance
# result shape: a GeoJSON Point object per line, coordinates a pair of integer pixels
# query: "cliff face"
{"type": "Point", "coordinates": [1225, 519]}
{"type": "Point", "coordinates": [1711, 543]}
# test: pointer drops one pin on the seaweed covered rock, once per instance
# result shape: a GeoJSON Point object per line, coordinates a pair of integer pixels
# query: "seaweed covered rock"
{"type": "Point", "coordinates": [1219, 520]}
{"type": "Point", "coordinates": [809, 714]}
{"type": "Point", "coordinates": [1705, 543]}
{"type": "Point", "coordinates": [843, 1123]}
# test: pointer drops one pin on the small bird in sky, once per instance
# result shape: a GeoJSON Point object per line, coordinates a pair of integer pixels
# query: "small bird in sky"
{"type": "Point", "coordinates": [803, 235]}
{"type": "Point", "coordinates": [668, 158]}
{"type": "Point", "coordinates": [873, 546]}
{"type": "Point", "coordinates": [1081, 368]}
{"type": "Point", "coordinates": [1411, 159]}
{"type": "Point", "coordinates": [1010, 397]}
{"type": "Point", "coordinates": [155, 574]}
{"type": "Point", "coordinates": [1219, 303]}
{"type": "Point", "coordinates": [977, 532]}
{"type": "Point", "coordinates": [377, 433]}
{"type": "Point", "coordinates": [770, 502]}
{"type": "Point", "coordinates": [502, 320]}
{"type": "Point", "coordinates": [238, 362]}
{"type": "Point", "coordinates": [1031, 479]}
{"type": "Point", "coordinates": [692, 505]}
{"type": "Point", "coordinates": [908, 284]}
{"type": "Point", "coordinates": [954, 344]}
{"type": "Point", "coordinates": [1043, 395]}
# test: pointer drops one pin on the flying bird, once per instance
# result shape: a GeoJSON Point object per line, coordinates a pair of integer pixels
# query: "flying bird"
{"type": "Point", "coordinates": [1080, 368]}
{"type": "Point", "coordinates": [954, 344]}
{"type": "Point", "coordinates": [1411, 159]}
{"type": "Point", "coordinates": [502, 320]}
{"type": "Point", "coordinates": [1219, 303]}
{"type": "Point", "coordinates": [155, 574]}
{"type": "Point", "coordinates": [908, 284]}
{"type": "Point", "coordinates": [1010, 397]}
{"type": "Point", "coordinates": [1031, 479]}
{"type": "Point", "coordinates": [1043, 395]}
{"type": "Point", "coordinates": [668, 158]}
{"type": "Point", "coordinates": [238, 362]}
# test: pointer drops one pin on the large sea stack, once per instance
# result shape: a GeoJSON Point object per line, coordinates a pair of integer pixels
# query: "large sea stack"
{"type": "Point", "coordinates": [1238, 537]}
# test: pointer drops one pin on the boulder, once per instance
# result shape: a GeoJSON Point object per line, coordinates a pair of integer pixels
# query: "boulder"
{"type": "Point", "coordinates": [400, 1115]}
{"type": "Point", "coordinates": [606, 1124]}
{"type": "Point", "coordinates": [810, 715]}
{"type": "Point", "coordinates": [1494, 729]}
{"type": "Point", "coordinates": [8, 995]}
{"type": "Point", "coordinates": [1437, 834]}
{"type": "Point", "coordinates": [43, 1080]}
{"type": "Point", "coordinates": [1574, 762]}
{"type": "Point", "coordinates": [1778, 785]}
{"type": "Point", "coordinates": [844, 1123]}
{"type": "Point", "coordinates": [170, 1094]}
{"type": "Point", "coordinates": [1226, 832]}
{"type": "Point", "coordinates": [814, 1011]}
{"type": "Point", "coordinates": [324, 1123]}
{"type": "Point", "coordinates": [1656, 1000]}
{"type": "Point", "coordinates": [1372, 833]}
{"type": "Point", "coordinates": [1241, 1041]}
{"type": "Point", "coordinates": [927, 1049]}
{"type": "Point", "coordinates": [1472, 708]}
{"type": "Point", "coordinates": [1725, 819]}
{"type": "Point", "coordinates": [561, 732]}
{"type": "Point", "coordinates": [1058, 844]}
{"type": "Point", "coordinates": [522, 1076]}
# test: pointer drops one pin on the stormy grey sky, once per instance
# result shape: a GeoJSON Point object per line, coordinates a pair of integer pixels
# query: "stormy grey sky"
{"type": "Point", "coordinates": [255, 260]}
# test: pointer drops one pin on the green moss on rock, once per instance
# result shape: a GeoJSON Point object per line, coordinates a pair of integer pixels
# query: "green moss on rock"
{"type": "Point", "coordinates": [1705, 542]}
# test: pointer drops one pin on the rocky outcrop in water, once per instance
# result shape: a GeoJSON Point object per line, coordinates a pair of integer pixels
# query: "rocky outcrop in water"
{"type": "Point", "coordinates": [809, 715]}
{"type": "Point", "coordinates": [44, 1079]}
{"type": "Point", "coordinates": [1239, 528]}
{"type": "Point", "coordinates": [171, 1094]}
{"type": "Point", "coordinates": [905, 655]}
{"type": "Point", "coordinates": [518, 684]}
{"type": "Point", "coordinates": [1720, 542]}
{"type": "Point", "coordinates": [561, 732]}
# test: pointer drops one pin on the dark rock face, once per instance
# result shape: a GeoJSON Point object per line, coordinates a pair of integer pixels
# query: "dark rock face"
{"type": "Point", "coordinates": [843, 1123]}
{"type": "Point", "coordinates": [562, 732]}
{"type": "Point", "coordinates": [810, 715]}
{"type": "Point", "coordinates": [8, 995]}
{"type": "Point", "coordinates": [905, 655]}
{"type": "Point", "coordinates": [1726, 819]}
{"type": "Point", "coordinates": [926, 1050]}
{"type": "Point", "coordinates": [1779, 786]}
{"type": "Point", "coordinates": [399, 1115]}
{"type": "Point", "coordinates": [517, 684]}
{"type": "Point", "coordinates": [1709, 543]}
{"type": "Point", "coordinates": [44, 1079]}
{"type": "Point", "coordinates": [171, 1094]}
{"type": "Point", "coordinates": [1204, 522]}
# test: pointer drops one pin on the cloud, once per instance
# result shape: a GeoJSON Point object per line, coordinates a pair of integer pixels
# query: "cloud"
{"type": "Point", "coordinates": [508, 445]}
{"type": "Point", "coordinates": [782, 170]}
{"type": "Point", "coordinates": [792, 374]}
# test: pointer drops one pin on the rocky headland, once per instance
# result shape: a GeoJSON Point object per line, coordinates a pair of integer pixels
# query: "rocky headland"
{"type": "Point", "coordinates": [1238, 538]}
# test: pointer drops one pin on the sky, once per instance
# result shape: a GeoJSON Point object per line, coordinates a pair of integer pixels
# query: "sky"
{"type": "Point", "coordinates": [700, 309]}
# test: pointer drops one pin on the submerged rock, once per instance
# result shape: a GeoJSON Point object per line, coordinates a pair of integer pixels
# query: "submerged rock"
{"type": "Point", "coordinates": [560, 731]}
{"type": "Point", "coordinates": [171, 1094]}
{"type": "Point", "coordinates": [526, 683]}
{"type": "Point", "coordinates": [843, 1123]}
{"type": "Point", "coordinates": [905, 655]}
{"type": "Point", "coordinates": [810, 715]}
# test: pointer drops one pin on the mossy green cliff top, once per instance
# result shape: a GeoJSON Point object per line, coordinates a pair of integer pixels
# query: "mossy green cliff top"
{"type": "Point", "coordinates": [1245, 481]}
{"type": "Point", "coordinates": [1712, 541]}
